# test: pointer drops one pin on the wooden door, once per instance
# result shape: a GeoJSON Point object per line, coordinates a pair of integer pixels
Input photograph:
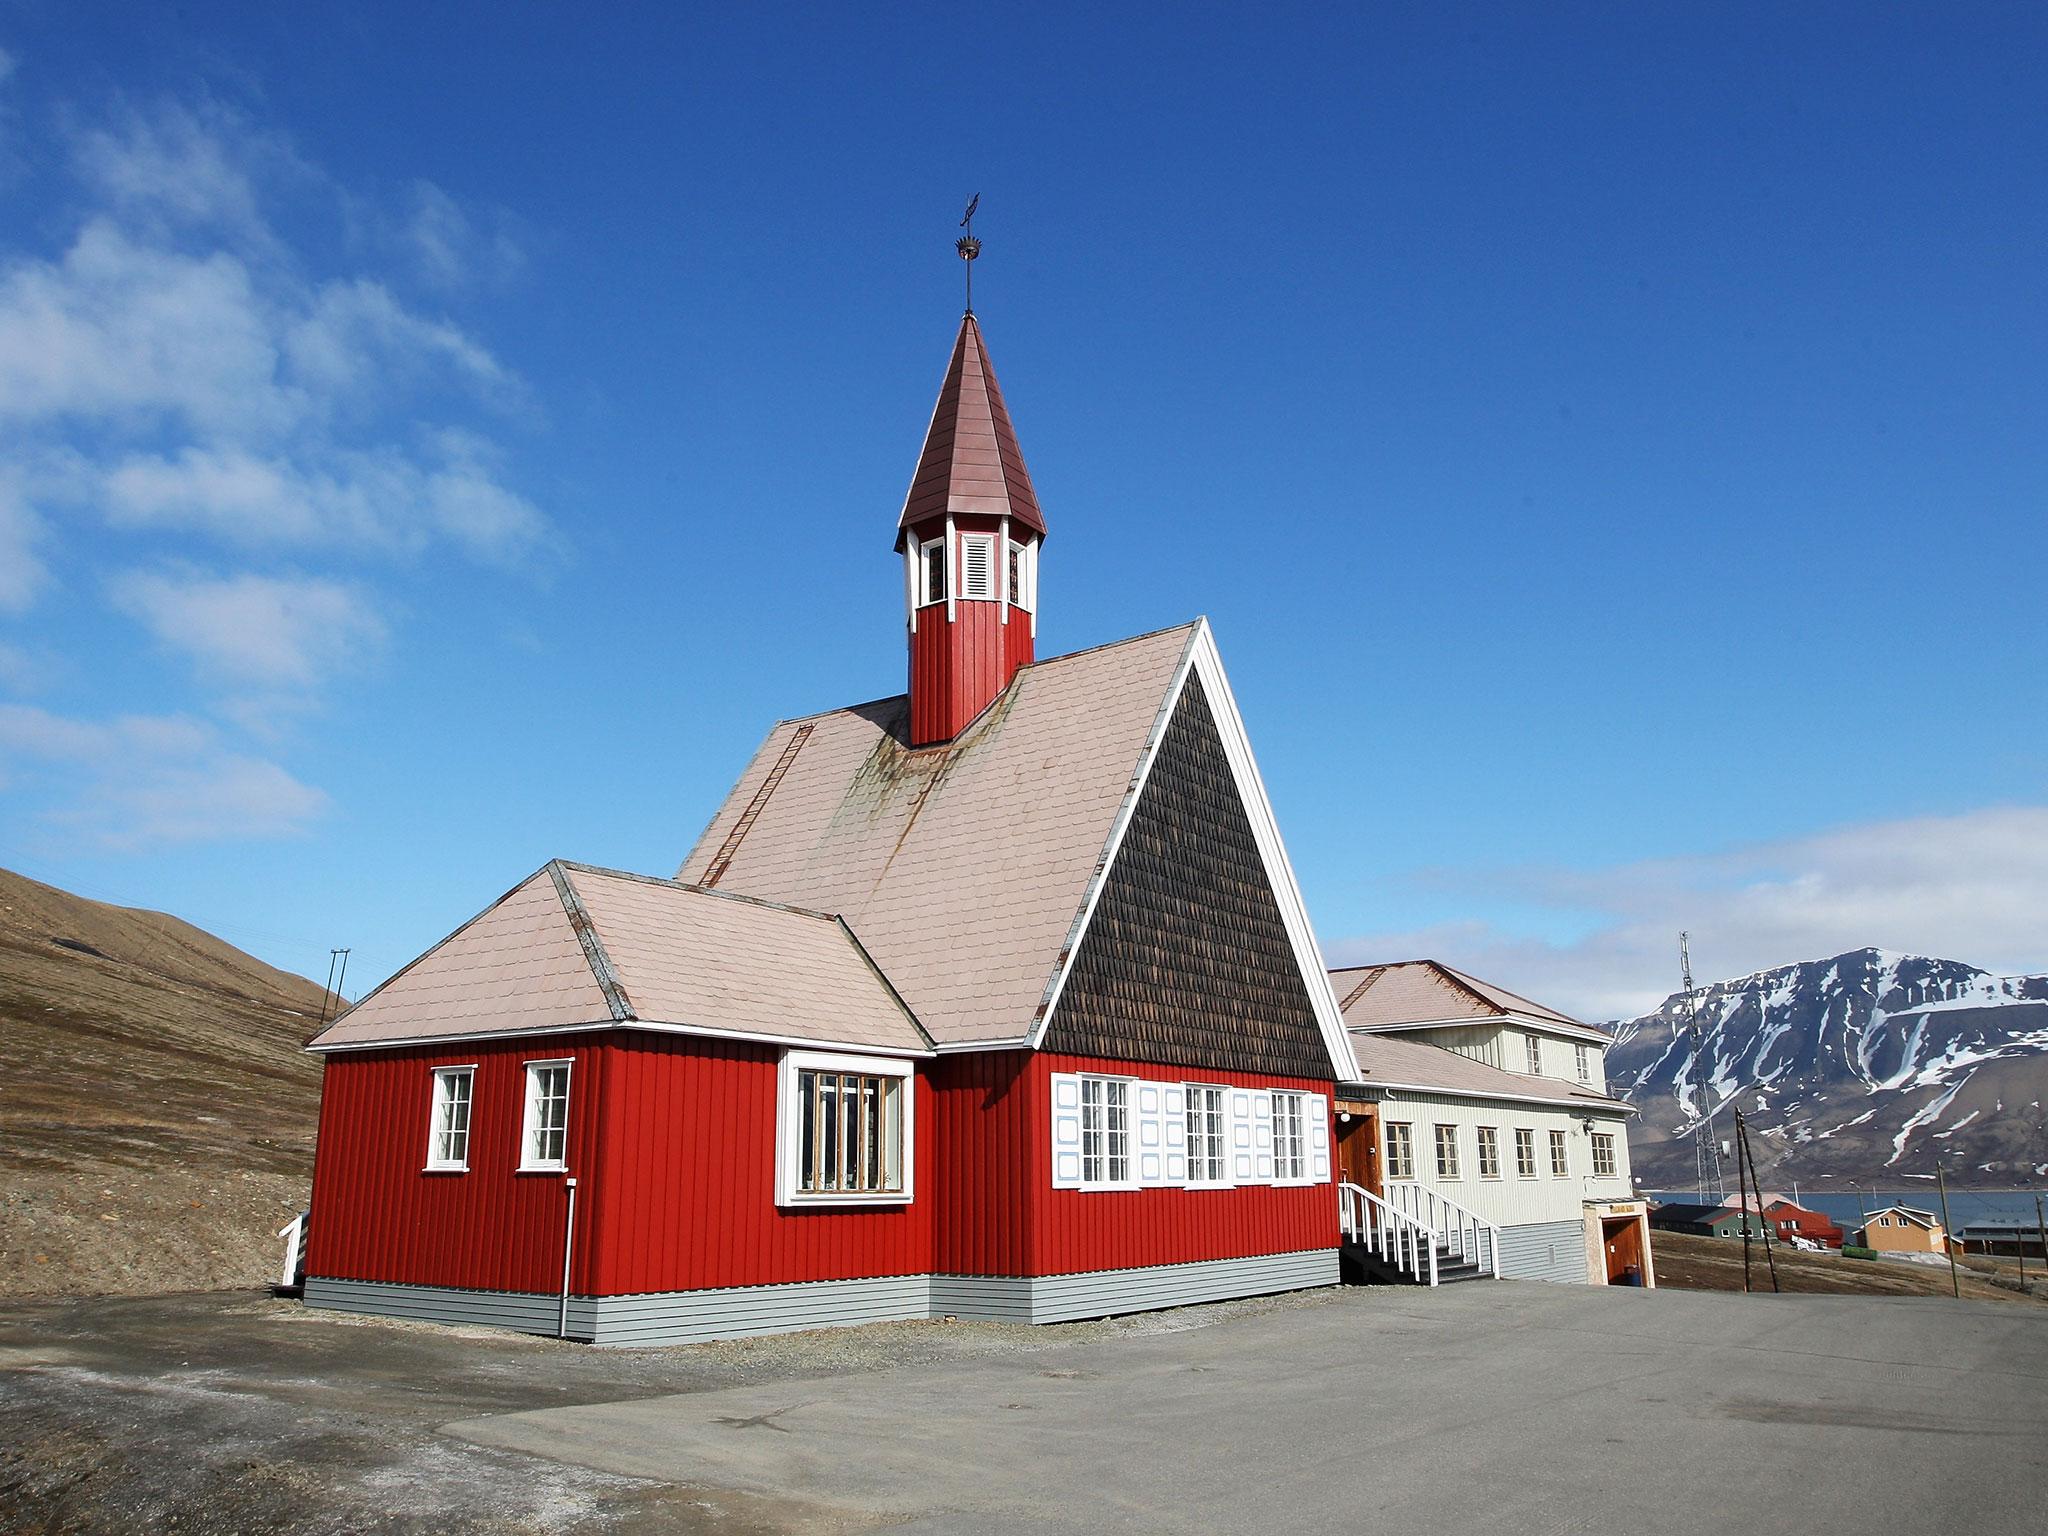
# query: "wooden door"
{"type": "Point", "coordinates": [1623, 1236]}
{"type": "Point", "coordinates": [1358, 1146]}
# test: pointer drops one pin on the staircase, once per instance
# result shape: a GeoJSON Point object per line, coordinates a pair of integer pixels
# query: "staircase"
{"type": "Point", "coordinates": [1415, 1238]}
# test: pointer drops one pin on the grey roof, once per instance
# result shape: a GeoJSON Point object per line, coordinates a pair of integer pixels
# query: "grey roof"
{"type": "Point", "coordinates": [1398, 1063]}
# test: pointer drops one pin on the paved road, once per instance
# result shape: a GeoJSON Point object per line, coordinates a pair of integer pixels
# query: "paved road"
{"type": "Point", "coordinates": [1522, 1408]}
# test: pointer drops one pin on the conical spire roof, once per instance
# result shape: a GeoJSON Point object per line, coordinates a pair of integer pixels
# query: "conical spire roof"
{"type": "Point", "coordinates": [971, 462]}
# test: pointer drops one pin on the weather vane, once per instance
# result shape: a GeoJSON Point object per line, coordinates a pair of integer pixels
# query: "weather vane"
{"type": "Point", "coordinates": [969, 247]}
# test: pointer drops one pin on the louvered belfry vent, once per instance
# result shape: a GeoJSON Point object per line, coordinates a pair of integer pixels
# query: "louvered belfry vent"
{"type": "Point", "coordinates": [1186, 960]}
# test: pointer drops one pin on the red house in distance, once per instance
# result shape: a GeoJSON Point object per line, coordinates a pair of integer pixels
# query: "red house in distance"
{"type": "Point", "coordinates": [994, 999]}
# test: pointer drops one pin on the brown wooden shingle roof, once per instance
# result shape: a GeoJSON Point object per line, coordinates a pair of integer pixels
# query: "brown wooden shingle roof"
{"type": "Point", "coordinates": [971, 462]}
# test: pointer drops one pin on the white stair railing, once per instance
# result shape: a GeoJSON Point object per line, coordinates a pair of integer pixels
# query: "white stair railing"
{"type": "Point", "coordinates": [1467, 1236]}
{"type": "Point", "coordinates": [1408, 1244]}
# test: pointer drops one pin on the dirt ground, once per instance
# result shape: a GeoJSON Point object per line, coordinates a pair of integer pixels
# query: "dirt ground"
{"type": "Point", "coordinates": [1692, 1263]}
{"type": "Point", "coordinates": [238, 1414]}
{"type": "Point", "coordinates": [157, 1118]}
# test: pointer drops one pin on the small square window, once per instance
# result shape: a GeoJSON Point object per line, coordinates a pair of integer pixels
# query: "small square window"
{"type": "Point", "coordinates": [1105, 1131]}
{"type": "Point", "coordinates": [1205, 1135]}
{"type": "Point", "coordinates": [1603, 1157]}
{"type": "Point", "coordinates": [448, 1135]}
{"type": "Point", "coordinates": [1447, 1152]}
{"type": "Point", "coordinates": [1022, 571]}
{"type": "Point", "coordinates": [1525, 1154]}
{"type": "Point", "coordinates": [1489, 1152]}
{"type": "Point", "coordinates": [1560, 1156]}
{"type": "Point", "coordinates": [544, 1141]}
{"type": "Point", "coordinates": [1290, 1141]}
{"type": "Point", "coordinates": [1585, 1063]}
{"type": "Point", "coordinates": [1533, 1049]}
{"type": "Point", "coordinates": [1400, 1150]}
{"type": "Point", "coordinates": [978, 567]}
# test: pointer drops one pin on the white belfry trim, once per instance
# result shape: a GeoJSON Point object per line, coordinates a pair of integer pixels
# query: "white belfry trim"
{"type": "Point", "coordinates": [1203, 660]}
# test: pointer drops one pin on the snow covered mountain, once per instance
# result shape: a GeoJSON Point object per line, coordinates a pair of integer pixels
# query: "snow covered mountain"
{"type": "Point", "coordinates": [1865, 1067]}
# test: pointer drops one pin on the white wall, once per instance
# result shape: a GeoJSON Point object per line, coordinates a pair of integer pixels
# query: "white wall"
{"type": "Point", "coordinates": [1510, 1200]}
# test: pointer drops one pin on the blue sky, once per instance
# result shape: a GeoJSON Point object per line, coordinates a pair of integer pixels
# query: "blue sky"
{"type": "Point", "coordinates": [1610, 441]}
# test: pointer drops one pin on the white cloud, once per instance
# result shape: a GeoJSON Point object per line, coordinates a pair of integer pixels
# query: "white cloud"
{"type": "Point", "coordinates": [451, 247]}
{"type": "Point", "coordinates": [21, 532]}
{"type": "Point", "coordinates": [1972, 887]}
{"type": "Point", "coordinates": [262, 631]}
{"type": "Point", "coordinates": [142, 781]}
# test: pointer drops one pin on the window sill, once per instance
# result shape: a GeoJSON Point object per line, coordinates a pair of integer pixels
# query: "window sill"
{"type": "Point", "coordinates": [446, 1168]}
{"type": "Point", "coordinates": [824, 1201]}
{"type": "Point", "coordinates": [542, 1168]}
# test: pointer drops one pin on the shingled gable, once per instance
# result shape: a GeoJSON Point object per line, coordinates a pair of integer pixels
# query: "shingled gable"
{"type": "Point", "coordinates": [575, 947]}
{"type": "Point", "coordinates": [972, 870]}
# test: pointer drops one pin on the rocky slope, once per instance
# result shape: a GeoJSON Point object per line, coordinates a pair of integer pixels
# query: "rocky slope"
{"type": "Point", "coordinates": [156, 1110]}
{"type": "Point", "coordinates": [1868, 1066]}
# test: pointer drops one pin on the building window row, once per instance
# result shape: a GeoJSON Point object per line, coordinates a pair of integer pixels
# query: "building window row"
{"type": "Point", "coordinates": [975, 576]}
{"type": "Point", "coordinates": [1114, 1133]}
{"type": "Point", "coordinates": [1400, 1152]}
{"type": "Point", "coordinates": [1533, 1057]}
{"type": "Point", "coordinates": [544, 1131]}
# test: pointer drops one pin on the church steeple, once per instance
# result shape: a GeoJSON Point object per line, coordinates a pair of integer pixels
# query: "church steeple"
{"type": "Point", "coordinates": [969, 535]}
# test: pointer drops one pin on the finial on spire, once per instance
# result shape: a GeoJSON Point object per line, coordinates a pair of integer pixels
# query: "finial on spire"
{"type": "Point", "coordinates": [969, 247]}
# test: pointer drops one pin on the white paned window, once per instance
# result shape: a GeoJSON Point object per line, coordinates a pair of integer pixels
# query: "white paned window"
{"type": "Point", "coordinates": [931, 572]}
{"type": "Point", "coordinates": [1105, 1132]}
{"type": "Point", "coordinates": [448, 1133]}
{"type": "Point", "coordinates": [1534, 1049]}
{"type": "Point", "coordinates": [1205, 1134]}
{"type": "Point", "coordinates": [1603, 1155]}
{"type": "Point", "coordinates": [1525, 1154]}
{"type": "Point", "coordinates": [1560, 1155]}
{"type": "Point", "coordinates": [978, 566]}
{"type": "Point", "coordinates": [1022, 577]}
{"type": "Point", "coordinates": [1489, 1152]}
{"type": "Point", "coordinates": [1400, 1150]}
{"type": "Point", "coordinates": [1584, 1060]}
{"type": "Point", "coordinates": [544, 1141]}
{"type": "Point", "coordinates": [1290, 1139]}
{"type": "Point", "coordinates": [1447, 1152]}
{"type": "Point", "coordinates": [844, 1129]}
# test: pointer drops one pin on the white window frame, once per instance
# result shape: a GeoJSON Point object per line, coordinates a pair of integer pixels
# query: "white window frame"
{"type": "Point", "coordinates": [1525, 1139]}
{"type": "Point", "coordinates": [1221, 1159]}
{"type": "Point", "coordinates": [926, 597]}
{"type": "Point", "coordinates": [1532, 1048]}
{"type": "Point", "coordinates": [1024, 552]}
{"type": "Point", "coordinates": [1560, 1155]}
{"type": "Point", "coordinates": [986, 544]}
{"type": "Point", "coordinates": [1447, 1169]}
{"type": "Point", "coordinates": [1603, 1141]}
{"type": "Point", "coordinates": [1291, 1161]}
{"type": "Point", "coordinates": [1108, 1087]}
{"type": "Point", "coordinates": [528, 1163]}
{"type": "Point", "coordinates": [789, 1127]}
{"type": "Point", "coordinates": [1488, 1141]}
{"type": "Point", "coordinates": [440, 1101]}
{"type": "Point", "coordinates": [1582, 1056]}
{"type": "Point", "coordinates": [1400, 1165]}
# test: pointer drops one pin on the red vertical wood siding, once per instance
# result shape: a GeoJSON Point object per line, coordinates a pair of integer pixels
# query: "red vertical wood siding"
{"type": "Point", "coordinates": [688, 1166]}
{"type": "Point", "coordinates": [959, 665]}
{"type": "Point", "coordinates": [985, 1118]}
{"type": "Point", "coordinates": [1080, 1229]}
{"type": "Point", "coordinates": [377, 1215]}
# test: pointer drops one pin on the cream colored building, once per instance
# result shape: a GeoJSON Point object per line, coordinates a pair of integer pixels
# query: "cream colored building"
{"type": "Point", "coordinates": [1472, 1101]}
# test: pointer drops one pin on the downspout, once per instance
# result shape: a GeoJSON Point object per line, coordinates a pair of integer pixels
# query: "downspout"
{"type": "Point", "coordinates": [568, 1252]}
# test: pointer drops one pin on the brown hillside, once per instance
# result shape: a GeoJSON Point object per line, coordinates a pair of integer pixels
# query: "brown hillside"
{"type": "Point", "coordinates": [157, 1112]}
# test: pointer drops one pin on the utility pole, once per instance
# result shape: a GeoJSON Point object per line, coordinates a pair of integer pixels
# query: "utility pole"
{"type": "Point", "coordinates": [1745, 1153]}
{"type": "Point", "coordinates": [1706, 1150]}
{"type": "Point", "coordinates": [1948, 1236]}
{"type": "Point", "coordinates": [2041, 1226]}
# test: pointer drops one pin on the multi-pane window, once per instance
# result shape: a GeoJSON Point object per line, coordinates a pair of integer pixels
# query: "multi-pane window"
{"type": "Point", "coordinates": [978, 566]}
{"type": "Point", "coordinates": [1105, 1131]}
{"type": "Point", "coordinates": [931, 571]}
{"type": "Point", "coordinates": [1205, 1134]}
{"type": "Point", "coordinates": [849, 1133]}
{"type": "Point", "coordinates": [1603, 1156]}
{"type": "Point", "coordinates": [1400, 1150]}
{"type": "Point", "coordinates": [545, 1140]}
{"type": "Point", "coordinates": [1447, 1152]}
{"type": "Point", "coordinates": [448, 1136]}
{"type": "Point", "coordinates": [1021, 594]}
{"type": "Point", "coordinates": [1560, 1156]}
{"type": "Point", "coordinates": [1533, 1049]}
{"type": "Point", "coordinates": [1585, 1063]}
{"type": "Point", "coordinates": [1489, 1152]}
{"type": "Point", "coordinates": [1290, 1140]}
{"type": "Point", "coordinates": [1525, 1153]}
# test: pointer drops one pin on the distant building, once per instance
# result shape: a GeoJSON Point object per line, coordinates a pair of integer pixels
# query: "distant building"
{"type": "Point", "coordinates": [2002, 1237]}
{"type": "Point", "coordinates": [1789, 1220]}
{"type": "Point", "coordinates": [1707, 1220]}
{"type": "Point", "coordinates": [1902, 1229]}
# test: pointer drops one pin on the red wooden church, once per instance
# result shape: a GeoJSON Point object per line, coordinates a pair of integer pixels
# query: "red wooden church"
{"type": "Point", "coordinates": [995, 999]}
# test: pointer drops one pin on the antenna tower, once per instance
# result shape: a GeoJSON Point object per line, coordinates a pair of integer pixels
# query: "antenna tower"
{"type": "Point", "coordinates": [1706, 1150]}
